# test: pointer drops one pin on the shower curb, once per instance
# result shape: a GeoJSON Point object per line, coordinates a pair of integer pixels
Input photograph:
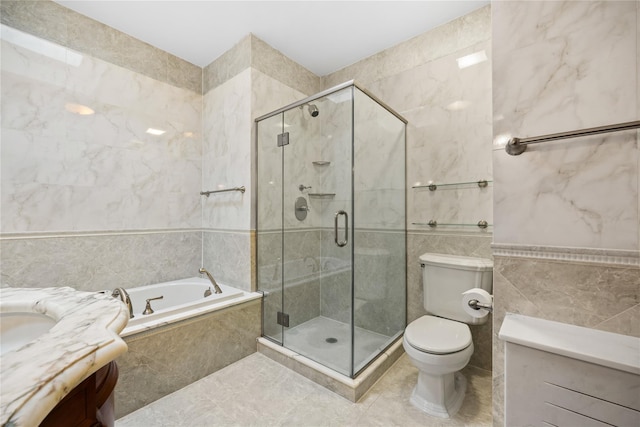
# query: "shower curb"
{"type": "Point", "coordinates": [350, 388]}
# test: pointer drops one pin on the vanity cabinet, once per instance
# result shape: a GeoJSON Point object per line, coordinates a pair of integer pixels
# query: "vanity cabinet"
{"type": "Point", "coordinates": [90, 404]}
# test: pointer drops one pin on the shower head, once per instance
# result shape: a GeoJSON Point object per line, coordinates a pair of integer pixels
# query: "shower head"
{"type": "Point", "coordinates": [313, 110]}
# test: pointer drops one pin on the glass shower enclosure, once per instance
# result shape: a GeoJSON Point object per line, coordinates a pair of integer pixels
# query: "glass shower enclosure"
{"type": "Point", "coordinates": [331, 227]}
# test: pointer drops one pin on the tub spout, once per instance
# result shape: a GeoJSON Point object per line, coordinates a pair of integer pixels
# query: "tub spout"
{"type": "Point", "coordinates": [216, 288]}
{"type": "Point", "coordinates": [123, 296]}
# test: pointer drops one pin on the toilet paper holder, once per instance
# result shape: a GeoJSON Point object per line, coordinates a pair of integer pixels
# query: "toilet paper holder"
{"type": "Point", "coordinates": [477, 305]}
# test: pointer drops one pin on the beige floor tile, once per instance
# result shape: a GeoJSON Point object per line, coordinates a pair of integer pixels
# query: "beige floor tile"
{"type": "Point", "coordinates": [256, 391]}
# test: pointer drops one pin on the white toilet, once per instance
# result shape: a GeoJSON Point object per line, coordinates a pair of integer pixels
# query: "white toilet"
{"type": "Point", "coordinates": [439, 344]}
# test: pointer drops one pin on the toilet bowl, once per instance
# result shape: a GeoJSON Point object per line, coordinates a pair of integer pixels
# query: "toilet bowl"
{"type": "Point", "coordinates": [439, 344]}
{"type": "Point", "coordinates": [439, 348]}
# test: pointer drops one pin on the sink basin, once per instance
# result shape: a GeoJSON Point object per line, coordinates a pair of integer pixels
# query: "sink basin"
{"type": "Point", "coordinates": [18, 329]}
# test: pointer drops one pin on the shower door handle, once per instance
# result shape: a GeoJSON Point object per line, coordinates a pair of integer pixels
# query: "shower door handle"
{"type": "Point", "coordinates": [346, 228]}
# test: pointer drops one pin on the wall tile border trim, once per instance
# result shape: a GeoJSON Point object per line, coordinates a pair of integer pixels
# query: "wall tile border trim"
{"type": "Point", "coordinates": [581, 255]}
{"type": "Point", "coordinates": [53, 234]}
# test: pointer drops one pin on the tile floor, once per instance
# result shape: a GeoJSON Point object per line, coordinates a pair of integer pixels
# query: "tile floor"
{"type": "Point", "coordinates": [256, 391]}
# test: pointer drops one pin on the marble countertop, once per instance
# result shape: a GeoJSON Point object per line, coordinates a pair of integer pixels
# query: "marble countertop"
{"type": "Point", "coordinates": [616, 351]}
{"type": "Point", "coordinates": [38, 375]}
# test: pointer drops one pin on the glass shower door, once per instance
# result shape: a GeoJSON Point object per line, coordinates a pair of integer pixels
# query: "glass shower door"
{"type": "Point", "coordinates": [317, 242]}
{"type": "Point", "coordinates": [331, 238]}
{"type": "Point", "coordinates": [270, 248]}
{"type": "Point", "coordinates": [379, 227]}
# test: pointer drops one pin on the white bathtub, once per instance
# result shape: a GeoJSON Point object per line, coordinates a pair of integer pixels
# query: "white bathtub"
{"type": "Point", "coordinates": [182, 299]}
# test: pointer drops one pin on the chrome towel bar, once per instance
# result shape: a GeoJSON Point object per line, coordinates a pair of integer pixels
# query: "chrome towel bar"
{"type": "Point", "coordinates": [517, 146]}
{"type": "Point", "coordinates": [206, 193]}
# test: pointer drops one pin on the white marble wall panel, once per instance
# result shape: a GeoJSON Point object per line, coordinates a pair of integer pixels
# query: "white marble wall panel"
{"type": "Point", "coordinates": [68, 172]}
{"type": "Point", "coordinates": [561, 66]}
{"type": "Point", "coordinates": [304, 131]}
{"type": "Point", "coordinates": [226, 159]}
{"type": "Point", "coordinates": [96, 262]}
{"type": "Point", "coordinates": [448, 136]}
{"type": "Point", "coordinates": [449, 111]}
{"type": "Point", "coordinates": [378, 166]}
{"type": "Point", "coordinates": [269, 95]}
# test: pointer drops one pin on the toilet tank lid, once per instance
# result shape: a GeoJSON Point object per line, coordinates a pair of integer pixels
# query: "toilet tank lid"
{"type": "Point", "coordinates": [456, 261]}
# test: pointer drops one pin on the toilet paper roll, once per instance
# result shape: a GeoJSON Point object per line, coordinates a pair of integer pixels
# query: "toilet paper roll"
{"type": "Point", "coordinates": [481, 296]}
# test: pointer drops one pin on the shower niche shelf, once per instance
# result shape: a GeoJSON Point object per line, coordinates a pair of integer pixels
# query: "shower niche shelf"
{"type": "Point", "coordinates": [321, 163]}
{"type": "Point", "coordinates": [322, 195]}
{"type": "Point", "coordinates": [432, 186]}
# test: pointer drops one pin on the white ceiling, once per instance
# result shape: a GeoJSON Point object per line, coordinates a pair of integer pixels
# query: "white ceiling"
{"type": "Point", "coordinates": [323, 36]}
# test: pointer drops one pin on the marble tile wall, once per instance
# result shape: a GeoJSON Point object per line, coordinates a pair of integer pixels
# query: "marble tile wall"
{"type": "Point", "coordinates": [449, 139]}
{"type": "Point", "coordinates": [92, 200]}
{"type": "Point", "coordinates": [579, 191]}
{"type": "Point", "coordinates": [50, 21]}
{"type": "Point", "coordinates": [231, 104]}
{"type": "Point", "coordinates": [560, 66]}
{"type": "Point", "coordinates": [99, 261]}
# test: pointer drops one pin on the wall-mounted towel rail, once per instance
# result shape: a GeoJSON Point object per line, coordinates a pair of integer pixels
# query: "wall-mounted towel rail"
{"type": "Point", "coordinates": [433, 224]}
{"type": "Point", "coordinates": [517, 146]}
{"type": "Point", "coordinates": [206, 193]}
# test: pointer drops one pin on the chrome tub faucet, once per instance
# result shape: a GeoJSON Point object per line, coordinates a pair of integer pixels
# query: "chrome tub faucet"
{"type": "Point", "coordinates": [216, 288]}
{"type": "Point", "coordinates": [122, 295]}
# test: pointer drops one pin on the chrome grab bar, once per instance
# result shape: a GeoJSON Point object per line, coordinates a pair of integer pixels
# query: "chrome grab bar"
{"type": "Point", "coordinates": [517, 146]}
{"type": "Point", "coordinates": [206, 193]}
{"type": "Point", "coordinates": [346, 228]}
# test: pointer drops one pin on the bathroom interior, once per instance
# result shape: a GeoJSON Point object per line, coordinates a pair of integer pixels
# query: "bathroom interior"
{"type": "Point", "coordinates": [329, 197]}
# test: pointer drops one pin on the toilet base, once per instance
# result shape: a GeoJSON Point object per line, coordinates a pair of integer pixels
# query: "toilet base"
{"type": "Point", "coordinates": [439, 395]}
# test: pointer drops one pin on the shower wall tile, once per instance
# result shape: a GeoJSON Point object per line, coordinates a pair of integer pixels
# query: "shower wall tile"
{"type": "Point", "coordinates": [575, 193]}
{"type": "Point", "coordinates": [441, 41]}
{"type": "Point", "coordinates": [379, 276]}
{"type": "Point", "coordinates": [379, 156]}
{"type": "Point", "coordinates": [53, 22]}
{"type": "Point", "coordinates": [97, 262]}
{"type": "Point", "coordinates": [268, 95]}
{"type": "Point", "coordinates": [103, 171]}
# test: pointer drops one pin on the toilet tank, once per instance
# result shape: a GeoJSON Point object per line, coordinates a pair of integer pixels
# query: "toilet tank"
{"type": "Point", "coordinates": [446, 277]}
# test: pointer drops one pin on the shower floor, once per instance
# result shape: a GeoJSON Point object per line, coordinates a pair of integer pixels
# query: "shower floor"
{"type": "Point", "coordinates": [327, 342]}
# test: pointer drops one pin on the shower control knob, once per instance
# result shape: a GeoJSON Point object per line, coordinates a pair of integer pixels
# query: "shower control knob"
{"type": "Point", "coordinates": [302, 187]}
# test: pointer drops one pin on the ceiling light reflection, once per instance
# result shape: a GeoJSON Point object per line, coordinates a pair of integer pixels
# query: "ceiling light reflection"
{"type": "Point", "coordinates": [458, 105]}
{"type": "Point", "coordinates": [80, 109]}
{"type": "Point", "coordinates": [156, 132]}
{"type": "Point", "coordinates": [472, 59]}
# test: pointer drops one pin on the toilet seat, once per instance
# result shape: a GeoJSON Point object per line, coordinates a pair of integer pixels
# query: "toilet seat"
{"type": "Point", "coordinates": [435, 335]}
